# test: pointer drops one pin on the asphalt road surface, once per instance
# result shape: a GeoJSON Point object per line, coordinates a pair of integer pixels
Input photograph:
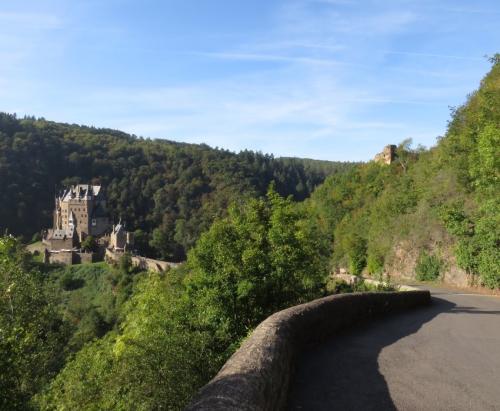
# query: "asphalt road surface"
{"type": "Point", "coordinates": [442, 357]}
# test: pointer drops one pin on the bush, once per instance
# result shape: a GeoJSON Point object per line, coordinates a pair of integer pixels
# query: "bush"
{"type": "Point", "coordinates": [428, 267]}
{"type": "Point", "coordinates": [375, 264]}
{"type": "Point", "coordinates": [70, 283]}
{"type": "Point", "coordinates": [489, 267]}
{"type": "Point", "coordinates": [125, 264]}
{"type": "Point", "coordinates": [355, 246]}
{"type": "Point", "coordinates": [89, 244]}
{"type": "Point", "coordinates": [338, 286]}
{"type": "Point", "coordinates": [263, 257]}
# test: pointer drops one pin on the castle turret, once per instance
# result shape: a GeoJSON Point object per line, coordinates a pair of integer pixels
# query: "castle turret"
{"type": "Point", "coordinates": [387, 156]}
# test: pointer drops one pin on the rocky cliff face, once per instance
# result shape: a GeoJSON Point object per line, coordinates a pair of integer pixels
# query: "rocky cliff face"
{"type": "Point", "coordinates": [404, 260]}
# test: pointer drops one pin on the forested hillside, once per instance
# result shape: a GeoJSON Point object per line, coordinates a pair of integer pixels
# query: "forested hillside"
{"type": "Point", "coordinates": [169, 192]}
{"type": "Point", "coordinates": [432, 213]}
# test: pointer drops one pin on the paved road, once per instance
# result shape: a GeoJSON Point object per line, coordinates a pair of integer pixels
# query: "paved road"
{"type": "Point", "coordinates": [442, 357]}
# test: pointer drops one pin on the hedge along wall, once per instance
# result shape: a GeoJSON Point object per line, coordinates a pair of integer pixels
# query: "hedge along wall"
{"type": "Point", "coordinates": [257, 376]}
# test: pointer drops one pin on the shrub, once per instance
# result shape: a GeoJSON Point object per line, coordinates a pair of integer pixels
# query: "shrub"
{"type": "Point", "coordinates": [355, 246]}
{"type": "Point", "coordinates": [263, 257]}
{"type": "Point", "coordinates": [89, 244]}
{"type": "Point", "coordinates": [428, 267]}
{"type": "Point", "coordinates": [70, 283]}
{"type": "Point", "coordinates": [375, 264]}
{"type": "Point", "coordinates": [489, 267]}
{"type": "Point", "coordinates": [338, 286]}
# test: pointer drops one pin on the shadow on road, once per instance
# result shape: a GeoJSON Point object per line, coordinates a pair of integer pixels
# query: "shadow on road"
{"type": "Point", "coordinates": [343, 372]}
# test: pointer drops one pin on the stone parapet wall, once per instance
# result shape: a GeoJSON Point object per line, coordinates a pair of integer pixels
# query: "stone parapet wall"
{"type": "Point", "coordinates": [257, 376]}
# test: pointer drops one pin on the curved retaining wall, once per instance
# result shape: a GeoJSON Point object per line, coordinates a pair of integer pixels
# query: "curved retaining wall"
{"type": "Point", "coordinates": [257, 376]}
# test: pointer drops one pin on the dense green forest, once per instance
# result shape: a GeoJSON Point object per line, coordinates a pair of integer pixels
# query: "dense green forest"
{"type": "Point", "coordinates": [168, 192]}
{"type": "Point", "coordinates": [108, 337]}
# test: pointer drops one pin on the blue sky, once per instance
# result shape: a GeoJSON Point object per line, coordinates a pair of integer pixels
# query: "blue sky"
{"type": "Point", "coordinates": [326, 79]}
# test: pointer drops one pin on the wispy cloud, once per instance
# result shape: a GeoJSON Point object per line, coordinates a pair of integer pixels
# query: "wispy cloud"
{"type": "Point", "coordinates": [441, 56]}
{"type": "Point", "coordinates": [269, 57]}
{"type": "Point", "coordinates": [378, 24]}
{"type": "Point", "coordinates": [468, 10]}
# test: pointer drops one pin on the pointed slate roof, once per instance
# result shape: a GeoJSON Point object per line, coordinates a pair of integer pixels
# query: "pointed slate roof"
{"type": "Point", "coordinates": [80, 191]}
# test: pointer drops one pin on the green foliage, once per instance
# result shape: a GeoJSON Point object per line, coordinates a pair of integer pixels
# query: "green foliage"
{"type": "Point", "coordinates": [91, 298]}
{"type": "Point", "coordinates": [404, 154]}
{"type": "Point", "coordinates": [363, 286]}
{"type": "Point", "coordinates": [355, 247]}
{"type": "Point", "coordinates": [155, 362]}
{"type": "Point", "coordinates": [428, 267]}
{"type": "Point", "coordinates": [263, 257]}
{"type": "Point", "coordinates": [338, 286]}
{"type": "Point", "coordinates": [485, 243]}
{"type": "Point", "coordinates": [38, 332]}
{"type": "Point", "coordinates": [32, 333]}
{"type": "Point", "coordinates": [79, 384]}
{"type": "Point", "coordinates": [375, 263]}
{"type": "Point", "coordinates": [36, 238]}
{"type": "Point", "coordinates": [455, 220]}
{"type": "Point", "coordinates": [141, 242]}
{"type": "Point", "coordinates": [70, 283]}
{"type": "Point", "coordinates": [89, 244]}
{"type": "Point", "coordinates": [125, 263]}
{"type": "Point", "coordinates": [485, 169]}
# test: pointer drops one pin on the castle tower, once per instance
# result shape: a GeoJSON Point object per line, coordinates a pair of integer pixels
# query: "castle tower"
{"type": "Point", "coordinates": [83, 207]}
{"type": "Point", "coordinates": [57, 215]}
{"type": "Point", "coordinates": [387, 156]}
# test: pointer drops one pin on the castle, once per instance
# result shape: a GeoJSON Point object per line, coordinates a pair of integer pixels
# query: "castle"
{"type": "Point", "coordinates": [387, 156]}
{"type": "Point", "coordinates": [80, 214]}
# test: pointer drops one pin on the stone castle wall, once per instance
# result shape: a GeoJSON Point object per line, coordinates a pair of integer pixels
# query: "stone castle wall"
{"type": "Point", "coordinates": [60, 244]}
{"type": "Point", "coordinates": [142, 262]}
{"type": "Point", "coordinates": [82, 258]}
{"type": "Point", "coordinates": [69, 257]}
{"type": "Point", "coordinates": [61, 257]}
